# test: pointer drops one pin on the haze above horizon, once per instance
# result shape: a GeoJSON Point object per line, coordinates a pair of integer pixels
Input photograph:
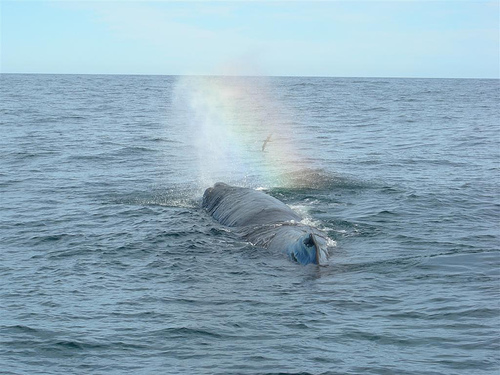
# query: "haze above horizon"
{"type": "Point", "coordinates": [429, 39]}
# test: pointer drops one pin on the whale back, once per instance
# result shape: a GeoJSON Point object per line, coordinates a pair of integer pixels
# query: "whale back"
{"type": "Point", "coordinates": [239, 207]}
{"type": "Point", "coordinates": [266, 222]}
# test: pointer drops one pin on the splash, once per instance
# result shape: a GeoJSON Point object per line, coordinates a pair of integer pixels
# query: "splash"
{"type": "Point", "coordinates": [227, 120]}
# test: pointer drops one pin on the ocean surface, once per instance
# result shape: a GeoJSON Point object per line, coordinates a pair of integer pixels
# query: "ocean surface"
{"type": "Point", "coordinates": [108, 264]}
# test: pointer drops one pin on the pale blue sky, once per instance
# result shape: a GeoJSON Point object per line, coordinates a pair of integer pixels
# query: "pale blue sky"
{"type": "Point", "coordinates": [314, 38]}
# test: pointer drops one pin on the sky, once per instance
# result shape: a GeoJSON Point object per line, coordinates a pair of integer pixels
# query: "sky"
{"type": "Point", "coordinates": [434, 39]}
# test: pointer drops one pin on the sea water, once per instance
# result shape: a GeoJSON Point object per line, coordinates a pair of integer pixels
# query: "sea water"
{"type": "Point", "coordinates": [108, 264]}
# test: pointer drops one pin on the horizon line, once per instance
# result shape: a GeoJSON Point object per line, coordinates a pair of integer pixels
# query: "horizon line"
{"type": "Point", "coordinates": [246, 75]}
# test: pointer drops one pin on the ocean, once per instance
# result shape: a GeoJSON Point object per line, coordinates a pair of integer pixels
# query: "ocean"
{"type": "Point", "coordinates": [109, 265]}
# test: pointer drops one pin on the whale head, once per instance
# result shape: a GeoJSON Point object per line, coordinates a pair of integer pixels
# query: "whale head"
{"type": "Point", "coordinates": [309, 248]}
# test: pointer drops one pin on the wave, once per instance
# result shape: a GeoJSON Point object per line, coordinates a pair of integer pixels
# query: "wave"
{"type": "Point", "coordinates": [168, 197]}
{"type": "Point", "coordinates": [319, 179]}
{"type": "Point", "coordinates": [20, 337]}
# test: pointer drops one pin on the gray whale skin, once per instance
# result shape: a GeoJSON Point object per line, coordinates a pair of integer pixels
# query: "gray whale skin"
{"type": "Point", "coordinates": [266, 222]}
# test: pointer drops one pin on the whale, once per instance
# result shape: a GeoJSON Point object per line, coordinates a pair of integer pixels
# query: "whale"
{"type": "Point", "coordinates": [266, 222]}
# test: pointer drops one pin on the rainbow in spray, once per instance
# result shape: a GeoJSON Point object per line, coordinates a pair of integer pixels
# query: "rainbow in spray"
{"type": "Point", "coordinates": [228, 119]}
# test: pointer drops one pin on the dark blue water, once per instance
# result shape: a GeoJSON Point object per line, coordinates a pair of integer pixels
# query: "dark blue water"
{"type": "Point", "coordinates": [108, 265]}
